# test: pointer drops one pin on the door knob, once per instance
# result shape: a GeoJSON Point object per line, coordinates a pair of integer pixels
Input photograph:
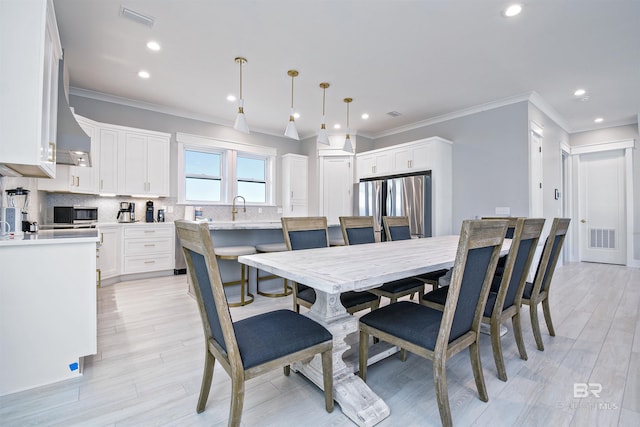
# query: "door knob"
{"type": "Point", "coordinates": [583, 221]}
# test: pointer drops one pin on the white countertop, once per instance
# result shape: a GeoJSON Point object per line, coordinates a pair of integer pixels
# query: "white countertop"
{"type": "Point", "coordinates": [245, 225]}
{"type": "Point", "coordinates": [53, 237]}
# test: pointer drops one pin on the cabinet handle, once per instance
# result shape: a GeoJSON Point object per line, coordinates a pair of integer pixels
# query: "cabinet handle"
{"type": "Point", "coordinates": [78, 179]}
{"type": "Point", "coordinates": [101, 184]}
{"type": "Point", "coordinates": [149, 246]}
{"type": "Point", "coordinates": [149, 231]}
{"type": "Point", "coordinates": [373, 169]}
{"type": "Point", "coordinates": [52, 152]}
{"type": "Point", "coordinates": [101, 238]}
{"type": "Point", "coordinates": [149, 262]}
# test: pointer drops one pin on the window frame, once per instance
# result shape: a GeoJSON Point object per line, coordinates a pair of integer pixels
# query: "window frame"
{"type": "Point", "coordinates": [229, 152]}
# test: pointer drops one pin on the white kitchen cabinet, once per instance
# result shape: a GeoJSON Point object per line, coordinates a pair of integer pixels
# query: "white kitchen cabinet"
{"type": "Point", "coordinates": [109, 252]}
{"type": "Point", "coordinates": [375, 163]}
{"type": "Point", "coordinates": [107, 160]}
{"type": "Point", "coordinates": [295, 169]}
{"type": "Point", "coordinates": [143, 166]}
{"type": "Point", "coordinates": [415, 157]}
{"type": "Point", "coordinates": [336, 175]}
{"type": "Point", "coordinates": [30, 50]}
{"type": "Point", "coordinates": [148, 248]}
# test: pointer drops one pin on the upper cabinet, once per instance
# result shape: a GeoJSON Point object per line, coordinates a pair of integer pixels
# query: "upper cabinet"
{"type": "Point", "coordinates": [30, 51]}
{"type": "Point", "coordinates": [143, 163]}
{"type": "Point", "coordinates": [375, 163]}
{"type": "Point", "coordinates": [417, 156]}
{"type": "Point", "coordinates": [295, 200]}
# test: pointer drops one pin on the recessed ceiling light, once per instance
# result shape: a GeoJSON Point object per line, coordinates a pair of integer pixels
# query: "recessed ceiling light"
{"type": "Point", "coordinates": [579, 92]}
{"type": "Point", "coordinates": [296, 115]}
{"type": "Point", "coordinates": [599, 120]}
{"type": "Point", "coordinates": [365, 116]}
{"type": "Point", "coordinates": [143, 74]}
{"type": "Point", "coordinates": [337, 126]}
{"type": "Point", "coordinates": [231, 98]}
{"type": "Point", "coordinates": [512, 10]}
{"type": "Point", "coordinates": [153, 45]}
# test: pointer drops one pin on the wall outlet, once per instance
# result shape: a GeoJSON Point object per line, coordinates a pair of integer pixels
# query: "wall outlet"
{"type": "Point", "coordinates": [169, 209]}
{"type": "Point", "coordinates": [259, 210]}
{"type": "Point", "coordinates": [503, 210]}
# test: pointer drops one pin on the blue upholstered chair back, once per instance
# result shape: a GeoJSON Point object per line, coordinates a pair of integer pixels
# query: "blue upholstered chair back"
{"type": "Point", "coordinates": [553, 259]}
{"type": "Point", "coordinates": [204, 286]}
{"type": "Point", "coordinates": [478, 261]}
{"type": "Point", "coordinates": [399, 232]}
{"type": "Point", "coordinates": [360, 235]}
{"type": "Point", "coordinates": [524, 250]}
{"type": "Point", "coordinates": [308, 239]}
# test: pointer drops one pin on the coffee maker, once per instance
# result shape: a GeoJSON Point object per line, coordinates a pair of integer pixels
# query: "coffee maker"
{"type": "Point", "coordinates": [149, 214]}
{"type": "Point", "coordinates": [127, 212]}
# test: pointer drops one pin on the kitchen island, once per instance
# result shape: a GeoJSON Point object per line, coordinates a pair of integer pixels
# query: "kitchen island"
{"type": "Point", "coordinates": [48, 318]}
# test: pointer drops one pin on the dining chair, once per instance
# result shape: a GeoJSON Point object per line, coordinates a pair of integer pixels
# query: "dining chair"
{"type": "Point", "coordinates": [398, 228]}
{"type": "Point", "coordinates": [252, 346]}
{"type": "Point", "coordinates": [358, 230]}
{"type": "Point", "coordinates": [537, 292]}
{"type": "Point", "coordinates": [439, 335]}
{"type": "Point", "coordinates": [310, 233]}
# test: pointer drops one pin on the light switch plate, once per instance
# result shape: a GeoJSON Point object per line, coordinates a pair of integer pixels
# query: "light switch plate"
{"type": "Point", "coordinates": [503, 210]}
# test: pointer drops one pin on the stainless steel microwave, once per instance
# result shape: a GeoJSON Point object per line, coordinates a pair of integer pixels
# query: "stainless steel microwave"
{"type": "Point", "coordinates": [74, 214]}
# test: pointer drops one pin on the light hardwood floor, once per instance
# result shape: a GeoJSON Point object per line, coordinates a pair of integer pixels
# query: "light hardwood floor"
{"type": "Point", "coordinates": [150, 354]}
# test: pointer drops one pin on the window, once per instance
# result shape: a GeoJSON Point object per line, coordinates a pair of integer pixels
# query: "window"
{"type": "Point", "coordinates": [214, 172]}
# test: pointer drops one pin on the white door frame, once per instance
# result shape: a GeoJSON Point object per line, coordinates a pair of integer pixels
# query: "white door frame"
{"type": "Point", "coordinates": [627, 145]}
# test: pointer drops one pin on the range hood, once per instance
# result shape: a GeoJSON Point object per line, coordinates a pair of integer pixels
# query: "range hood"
{"type": "Point", "coordinates": [73, 145]}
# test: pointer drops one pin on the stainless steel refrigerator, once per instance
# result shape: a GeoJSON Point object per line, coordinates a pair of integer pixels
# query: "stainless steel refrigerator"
{"type": "Point", "coordinates": [407, 195]}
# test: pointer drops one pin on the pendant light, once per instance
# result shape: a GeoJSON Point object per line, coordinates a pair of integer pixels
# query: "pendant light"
{"type": "Point", "coordinates": [291, 130]}
{"type": "Point", "coordinates": [323, 136]}
{"type": "Point", "coordinates": [347, 141]}
{"type": "Point", "coordinates": [241, 121]}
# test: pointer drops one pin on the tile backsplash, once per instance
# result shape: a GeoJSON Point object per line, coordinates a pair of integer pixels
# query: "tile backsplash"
{"type": "Point", "coordinates": [108, 208]}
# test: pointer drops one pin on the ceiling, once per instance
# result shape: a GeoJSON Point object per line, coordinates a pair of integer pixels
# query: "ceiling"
{"type": "Point", "coordinates": [423, 59]}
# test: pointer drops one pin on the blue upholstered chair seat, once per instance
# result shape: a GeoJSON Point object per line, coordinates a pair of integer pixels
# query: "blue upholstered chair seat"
{"type": "Point", "coordinates": [438, 296]}
{"type": "Point", "coordinates": [261, 338]}
{"type": "Point", "coordinates": [408, 321]}
{"type": "Point", "coordinates": [348, 299]}
{"type": "Point", "coordinates": [401, 285]}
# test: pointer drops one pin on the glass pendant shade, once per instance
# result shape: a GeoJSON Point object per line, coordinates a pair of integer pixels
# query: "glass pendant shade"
{"type": "Point", "coordinates": [241, 121]}
{"type": "Point", "coordinates": [291, 130]}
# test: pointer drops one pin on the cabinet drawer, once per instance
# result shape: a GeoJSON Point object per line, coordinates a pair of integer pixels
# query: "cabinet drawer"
{"type": "Point", "coordinates": [147, 232]}
{"type": "Point", "coordinates": [148, 246]}
{"type": "Point", "coordinates": [140, 264]}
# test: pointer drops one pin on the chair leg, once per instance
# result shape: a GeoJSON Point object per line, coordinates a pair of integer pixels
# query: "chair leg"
{"type": "Point", "coordinates": [547, 316]}
{"type": "Point", "coordinates": [207, 376]}
{"type": "Point", "coordinates": [287, 370]}
{"type": "Point", "coordinates": [498, 357]}
{"type": "Point", "coordinates": [403, 355]}
{"type": "Point", "coordinates": [476, 365]}
{"type": "Point", "coordinates": [517, 332]}
{"type": "Point", "coordinates": [327, 376]}
{"type": "Point", "coordinates": [442, 394]}
{"type": "Point", "coordinates": [363, 355]}
{"type": "Point", "coordinates": [237, 399]}
{"type": "Point", "coordinates": [533, 313]}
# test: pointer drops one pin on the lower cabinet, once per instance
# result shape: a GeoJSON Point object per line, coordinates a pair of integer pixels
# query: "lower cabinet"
{"type": "Point", "coordinates": [109, 251]}
{"type": "Point", "coordinates": [147, 248]}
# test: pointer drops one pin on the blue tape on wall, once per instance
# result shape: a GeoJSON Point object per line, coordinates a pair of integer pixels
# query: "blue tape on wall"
{"type": "Point", "coordinates": [73, 366]}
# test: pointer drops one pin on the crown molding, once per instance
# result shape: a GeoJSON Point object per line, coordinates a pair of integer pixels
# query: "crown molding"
{"type": "Point", "coordinates": [100, 96]}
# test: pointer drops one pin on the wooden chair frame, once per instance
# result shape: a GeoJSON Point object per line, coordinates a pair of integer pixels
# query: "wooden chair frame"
{"type": "Point", "coordinates": [194, 236]}
{"type": "Point", "coordinates": [474, 234]}
{"type": "Point", "coordinates": [523, 229]}
{"type": "Point", "coordinates": [347, 222]}
{"type": "Point", "coordinates": [290, 224]}
{"type": "Point", "coordinates": [543, 277]}
{"type": "Point", "coordinates": [394, 221]}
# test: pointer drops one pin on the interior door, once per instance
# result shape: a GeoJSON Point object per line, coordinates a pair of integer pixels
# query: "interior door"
{"type": "Point", "coordinates": [337, 188]}
{"type": "Point", "coordinates": [602, 207]}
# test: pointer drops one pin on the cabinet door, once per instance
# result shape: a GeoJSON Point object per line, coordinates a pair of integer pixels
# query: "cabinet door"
{"type": "Point", "coordinates": [83, 179]}
{"type": "Point", "coordinates": [298, 180]}
{"type": "Point", "coordinates": [366, 165]}
{"type": "Point", "coordinates": [337, 185]}
{"type": "Point", "coordinates": [132, 153]}
{"type": "Point", "coordinates": [384, 163]}
{"type": "Point", "coordinates": [107, 161]}
{"type": "Point", "coordinates": [423, 157]}
{"type": "Point", "coordinates": [109, 251]}
{"type": "Point", "coordinates": [157, 166]}
{"type": "Point", "coordinates": [402, 159]}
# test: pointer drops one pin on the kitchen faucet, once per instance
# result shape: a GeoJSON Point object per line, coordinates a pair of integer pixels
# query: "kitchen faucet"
{"type": "Point", "coordinates": [234, 210]}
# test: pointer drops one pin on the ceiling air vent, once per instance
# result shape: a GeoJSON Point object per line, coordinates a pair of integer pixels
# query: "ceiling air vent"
{"type": "Point", "coordinates": [394, 114]}
{"type": "Point", "coordinates": [137, 17]}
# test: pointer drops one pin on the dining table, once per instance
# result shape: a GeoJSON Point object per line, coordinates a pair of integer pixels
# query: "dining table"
{"type": "Point", "coordinates": [333, 270]}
